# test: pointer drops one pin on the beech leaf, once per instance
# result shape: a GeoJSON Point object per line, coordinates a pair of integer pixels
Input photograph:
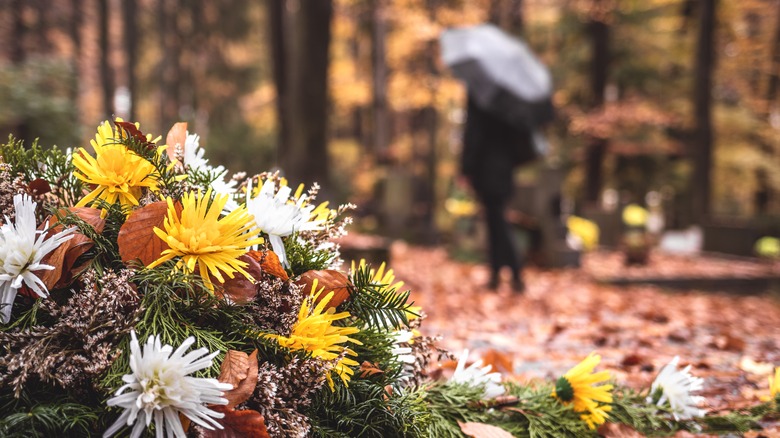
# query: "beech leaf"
{"type": "Point", "coordinates": [269, 261]}
{"type": "Point", "coordinates": [240, 370]}
{"type": "Point", "coordinates": [64, 257]}
{"type": "Point", "coordinates": [137, 240]}
{"type": "Point", "coordinates": [176, 136]}
{"type": "Point", "coordinates": [369, 369]}
{"type": "Point", "coordinates": [240, 289]}
{"type": "Point", "coordinates": [482, 430]}
{"type": "Point", "coordinates": [330, 280]}
{"type": "Point", "coordinates": [238, 424]}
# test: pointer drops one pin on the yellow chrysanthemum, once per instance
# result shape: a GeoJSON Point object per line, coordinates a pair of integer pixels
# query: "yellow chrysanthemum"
{"type": "Point", "coordinates": [201, 238]}
{"type": "Point", "coordinates": [314, 332]}
{"type": "Point", "coordinates": [577, 387]}
{"type": "Point", "coordinates": [379, 276]}
{"type": "Point", "coordinates": [119, 174]}
{"type": "Point", "coordinates": [774, 384]}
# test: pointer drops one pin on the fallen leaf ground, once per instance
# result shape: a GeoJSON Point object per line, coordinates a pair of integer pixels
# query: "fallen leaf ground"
{"type": "Point", "coordinates": [732, 341]}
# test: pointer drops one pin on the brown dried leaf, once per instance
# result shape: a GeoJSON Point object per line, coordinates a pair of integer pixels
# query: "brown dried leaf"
{"type": "Point", "coordinates": [136, 237]}
{"type": "Point", "coordinates": [330, 280]}
{"type": "Point", "coordinates": [614, 430]}
{"type": "Point", "coordinates": [482, 430]}
{"type": "Point", "coordinates": [269, 261]}
{"type": "Point", "coordinates": [240, 289]}
{"type": "Point", "coordinates": [39, 187]}
{"type": "Point", "coordinates": [64, 257]}
{"type": "Point", "coordinates": [238, 424]}
{"type": "Point", "coordinates": [501, 362]}
{"type": "Point", "coordinates": [240, 370]}
{"type": "Point", "coordinates": [369, 369]}
{"type": "Point", "coordinates": [176, 136]}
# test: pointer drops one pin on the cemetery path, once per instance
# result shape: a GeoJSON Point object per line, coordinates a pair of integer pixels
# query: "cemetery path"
{"type": "Point", "coordinates": [732, 341]}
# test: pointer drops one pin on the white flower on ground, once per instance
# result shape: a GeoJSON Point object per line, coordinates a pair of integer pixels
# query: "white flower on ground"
{"type": "Point", "coordinates": [159, 389]}
{"type": "Point", "coordinates": [193, 159]}
{"type": "Point", "coordinates": [403, 354]}
{"type": "Point", "coordinates": [278, 216]}
{"type": "Point", "coordinates": [676, 387]}
{"type": "Point", "coordinates": [22, 247]}
{"type": "Point", "coordinates": [477, 375]}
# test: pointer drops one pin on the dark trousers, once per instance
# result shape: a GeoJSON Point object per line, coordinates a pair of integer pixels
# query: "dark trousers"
{"type": "Point", "coordinates": [501, 245]}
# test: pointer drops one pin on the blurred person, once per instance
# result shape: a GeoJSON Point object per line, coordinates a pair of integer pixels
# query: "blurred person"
{"type": "Point", "coordinates": [492, 150]}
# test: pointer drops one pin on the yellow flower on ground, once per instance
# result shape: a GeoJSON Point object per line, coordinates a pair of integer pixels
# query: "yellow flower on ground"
{"type": "Point", "coordinates": [635, 215]}
{"type": "Point", "coordinates": [204, 240]}
{"type": "Point", "coordinates": [314, 332]}
{"type": "Point", "coordinates": [774, 384]}
{"type": "Point", "coordinates": [577, 387]}
{"type": "Point", "coordinates": [119, 174]}
{"type": "Point", "coordinates": [585, 233]}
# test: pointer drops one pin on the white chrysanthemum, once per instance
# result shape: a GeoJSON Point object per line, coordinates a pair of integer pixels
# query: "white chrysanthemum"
{"type": "Point", "coordinates": [193, 159]}
{"type": "Point", "coordinates": [477, 375]}
{"type": "Point", "coordinates": [160, 389]}
{"type": "Point", "coordinates": [22, 247]}
{"type": "Point", "coordinates": [675, 386]}
{"type": "Point", "coordinates": [403, 354]}
{"type": "Point", "coordinates": [278, 216]}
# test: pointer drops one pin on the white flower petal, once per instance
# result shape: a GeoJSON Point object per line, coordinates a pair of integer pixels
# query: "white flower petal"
{"type": "Point", "coordinates": [161, 388]}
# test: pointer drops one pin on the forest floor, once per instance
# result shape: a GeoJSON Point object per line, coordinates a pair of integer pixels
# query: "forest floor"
{"type": "Point", "coordinates": [732, 341]}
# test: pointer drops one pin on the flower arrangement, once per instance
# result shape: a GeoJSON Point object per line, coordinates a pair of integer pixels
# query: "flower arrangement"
{"type": "Point", "coordinates": [143, 293]}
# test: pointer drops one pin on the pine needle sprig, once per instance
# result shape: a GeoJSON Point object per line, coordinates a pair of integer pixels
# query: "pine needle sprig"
{"type": "Point", "coordinates": [629, 407]}
{"type": "Point", "coordinates": [50, 164]}
{"type": "Point", "coordinates": [305, 256]}
{"type": "Point", "coordinates": [45, 415]}
{"type": "Point", "coordinates": [377, 305]}
{"type": "Point", "coordinates": [366, 409]}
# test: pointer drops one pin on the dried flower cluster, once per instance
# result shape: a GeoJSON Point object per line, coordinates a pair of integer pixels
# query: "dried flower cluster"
{"type": "Point", "coordinates": [284, 392]}
{"type": "Point", "coordinates": [81, 343]}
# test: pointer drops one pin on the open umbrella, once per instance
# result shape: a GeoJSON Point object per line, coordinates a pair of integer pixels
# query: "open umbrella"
{"type": "Point", "coordinates": [502, 74]}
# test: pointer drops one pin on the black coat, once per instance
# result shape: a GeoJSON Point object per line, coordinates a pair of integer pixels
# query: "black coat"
{"type": "Point", "coordinates": [492, 149]}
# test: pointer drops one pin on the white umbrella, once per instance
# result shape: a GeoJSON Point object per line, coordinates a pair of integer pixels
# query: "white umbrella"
{"type": "Point", "coordinates": [503, 76]}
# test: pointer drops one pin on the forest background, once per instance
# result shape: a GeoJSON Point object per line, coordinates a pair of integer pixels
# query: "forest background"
{"type": "Point", "coordinates": [679, 97]}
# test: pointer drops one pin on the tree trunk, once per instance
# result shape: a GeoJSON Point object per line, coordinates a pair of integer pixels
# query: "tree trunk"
{"type": "Point", "coordinates": [306, 38]}
{"type": "Point", "coordinates": [381, 131]}
{"type": "Point", "coordinates": [106, 78]}
{"type": "Point", "coordinates": [168, 72]}
{"type": "Point", "coordinates": [74, 29]}
{"type": "Point", "coordinates": [594, 161]}
{"type": "Point", "coordinates": [276, 28]}
{"type": "Point", "coordinates": [507, 14]}
{"type": "Point", "coordinates": [774, 70]}
{"type": "Point", "coordinates": [130, 30]}
{"type": "Point", "coordinates": [19, 32]}
{"type": "Point", "coordinates": [702, 103]}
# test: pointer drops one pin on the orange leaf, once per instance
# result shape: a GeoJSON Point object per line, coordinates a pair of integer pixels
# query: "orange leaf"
{"type": "Point", "coordinates": [330, 280]}
{"type": "Point", "coordinates": [482, 430]}
{"type": "Point", "coordinates": [238, 424]}
{"type": "Point", "coordinates": [269, 261]}
{"type": "Point", "coordinates": [136, 236]}
{"type": "Point", "coordinates": [240, 370]}
{"type": "Point", "coordinates": [369, 369]}
{"type": "Point", "coordinates": [240, 289]}
{"type": "Point", "coordinates": [176, 136]}
{"type": "Point", "coordinates": [500, 362]}
{"type": "Point", "coordinates": [64, 257]}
